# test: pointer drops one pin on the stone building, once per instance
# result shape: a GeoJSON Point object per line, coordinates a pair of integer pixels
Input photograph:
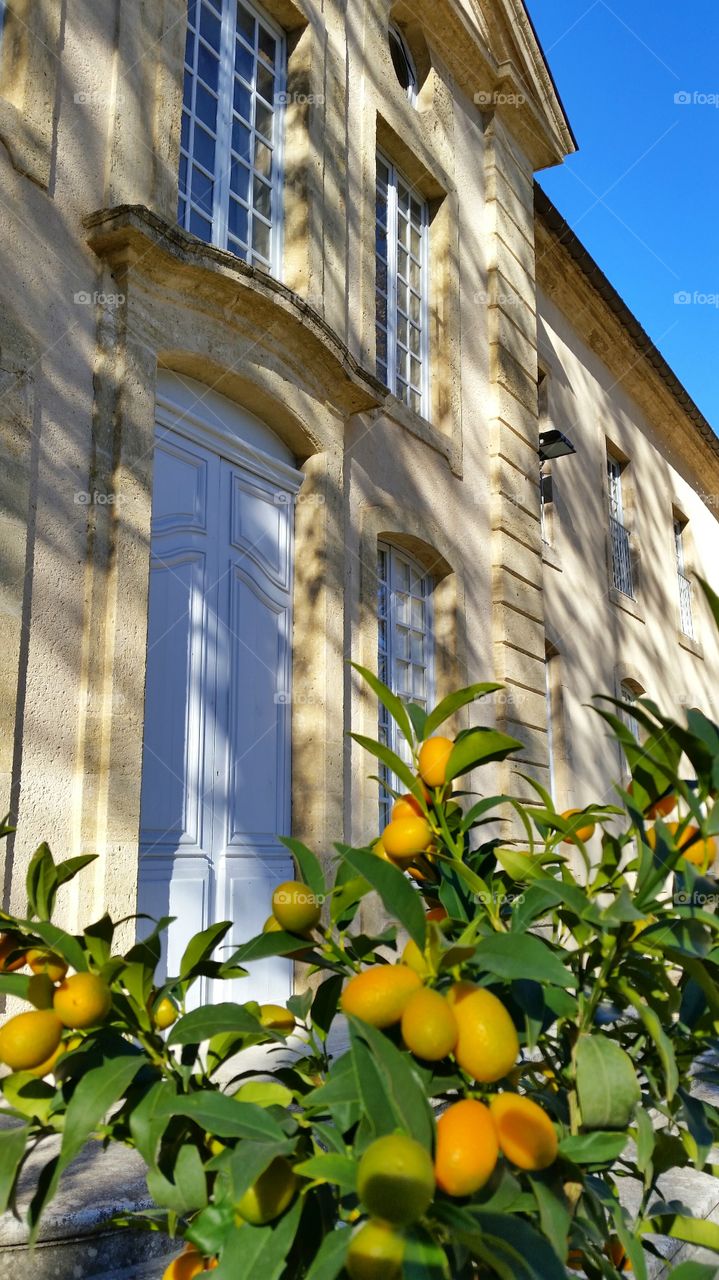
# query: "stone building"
{"type": "Point", "coordinates": [283, 317]}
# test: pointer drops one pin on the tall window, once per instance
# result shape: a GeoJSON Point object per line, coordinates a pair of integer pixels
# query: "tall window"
{"type": "Point", "coordinates": [401, 288]}
{"type": "Point", "coordinates": [619, 534]}
{"type": "Point", "coordinates": [686, 617]}
{"type": "Point", "coordinates": [402, 61]}
{"type": "Point", "coordinates": [629, 691]}
{"type": "Point", "coordinates": [405, 657]}
{"type": "Point", "coordinates": [551, 692]}
{"type": "Point", "coordinates": [229, 188]}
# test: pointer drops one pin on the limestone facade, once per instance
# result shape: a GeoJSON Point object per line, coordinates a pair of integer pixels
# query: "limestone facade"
{"type": "Point", "coordinates": [101, 289]}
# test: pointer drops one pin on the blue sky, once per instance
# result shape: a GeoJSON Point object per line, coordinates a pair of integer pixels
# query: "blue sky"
{"type": "Point", "coordinates": [643, 191]}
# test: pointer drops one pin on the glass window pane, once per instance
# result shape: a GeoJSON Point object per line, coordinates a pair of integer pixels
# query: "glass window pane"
{"type": "Point", "coordinates": [185, 132]}
{"type": "Point", "coordinates": [202, 189]}
{"type": "Point", "coordinates": [200, 226]}
{"type": "Point", "coordinates": [265, 82]}
{"type": "Point", "coordinates": [190, 50]}
{"type": "Point", "coordinates": [183, 175]}
{"type": "Point", "coordinates": [267, 46]}
{"type": "Point", "coordinates": [210, 27]}
{"type": "Point", "coordinates": [243, 101]}
{"type": "Point", "coordinates": [245, 24]}
{"type": "Point", "coordinates": [237, 216]}
{"type": "Point", "coordinates": [204, 149]}
{"type": "Point", "coordinates": [264, 117]}
{"type": "Point", "coordinates": [402, 643]}
{"type": "Point", "coordinates": [262, 197]}
{"type": "Point", "coordinates": [263, 158]}
{"type": "Point", "coordinates": [240, 181]}
{"type": "Point", "coordinates": [208, 67]}
{"type": "Point", "coordinates": [206, 107]}
{"type": "Point", "coordinates": [241, 140]}
{"type": "Point", "coordinates": [260, 237]}
{"type": "Point", "coordinates": [244, 61]}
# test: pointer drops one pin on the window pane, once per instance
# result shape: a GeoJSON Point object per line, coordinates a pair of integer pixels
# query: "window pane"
{"type": "Point", "coordinates": [200, 226]}
{"type": "Point", "coordinates": [206, 107]}
{"type": "Point", "coordinates": [237, 220]}
{"type": "Point", "coordinates": [267, 46]}
{"type": "Point", "coordinates": [241, 140]}
{"type": "Point", "coordinates": [240, 181]}
{"type": "Point", "coordinates": [262, 197]}
{"type": "Point", "coordinates": [263, 158]}
{"type": "Point", "coordinates": [261, 237]}
{"type": "Point", "coordinates": [204, 149]}
{"type": "Point", "coordinates": [263, 119]}
{"type": "Point", "coordinates": [265, 82]}
{"type": "Point", "coordinates": [202, 189]}
{"type": "Point", "coordinates": [245, 24]}
{"type": "Point", "coordinates": [210, 28]}
{"type": "Point", "coordinates": [244, 62]}
{"type": "Point", "coordinates": [243, 101]}
{"type": "Point", "coordinates": [208, 67]}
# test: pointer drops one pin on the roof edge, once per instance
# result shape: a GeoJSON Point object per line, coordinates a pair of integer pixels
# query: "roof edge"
{"type": "Point", "coordinates": [561, 230]}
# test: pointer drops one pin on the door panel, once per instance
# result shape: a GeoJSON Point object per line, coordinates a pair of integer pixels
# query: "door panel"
{"type": "Point", "coordinates": [216, 751]}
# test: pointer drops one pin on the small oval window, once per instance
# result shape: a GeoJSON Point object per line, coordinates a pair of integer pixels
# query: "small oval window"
{"type": "Point", "coordinates": [402, 61]}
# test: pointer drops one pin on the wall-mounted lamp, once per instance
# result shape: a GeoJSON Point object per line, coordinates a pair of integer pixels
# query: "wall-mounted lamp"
{"type": "Point", "coordinates": [552, 444]}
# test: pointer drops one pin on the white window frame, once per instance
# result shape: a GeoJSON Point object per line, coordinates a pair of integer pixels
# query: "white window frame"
{"type": "Point", "coordinates": [396, 177]}
{"type": "Point", "coordinates": [412, 89]}
{"type": "Point", "coordinates": [387, 659]}
{"type": "Point", "coordinates": [627, 693]}
{"type": "Point", "coordinates": [223, 136]}
{"type": "Point", "coordinates": [684, 585]}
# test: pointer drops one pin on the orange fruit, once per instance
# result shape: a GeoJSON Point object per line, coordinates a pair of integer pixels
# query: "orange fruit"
{"type": "Point", "coordinates": [8, 945]}
{"type": "Point", "coordinates": [271, 925]}
{"type": "Point", "coordinates": [164, 1013]}
{"type": "Point", "coordinates": [615, 1251]}
{"type": "Point", "coordinates": [380, 850]}
{"type": "Point", "coordinates": [395, 1179]}
{"type": "Point", "coordinates": [376, 1252]}
{"type": "Point", "coordinates": [438, 914]}
{"type": "Point", "coordinates": [83, 1000]}
{"type": "Point", "coordinates": [697, 850]}
{"type": "Point", "coordinates": [47, 962]}
{"type": "Point", "coordinates": [277, 1017]}
{"type": "Point", "coordinates": [406, 807]}
{"type": "Point", "coordinates": [467, 1148]}
{"type": "Point", "coordinates": [432, 761]}
{"type": "Point", "coordinates": [379, 994]}
{"type": "Point", "coordinates": [525, 1132]}
{"type": "Point", "coordinates": [580, 831]}
{"type": "Point", "coordinates": [487, 1045]}
{"type": "Point", "coordinates": [662, 807]}
{"type": "Point", "coordinates": [270, 1195]}
{"type": "Point", "coordinates": [29, 1039]}
{"type": "Point", "coordinates": [187, 1265]}
{"type": "Point", "coordinates": [413, 957]}
{"type": "Point", "coordinates": [429, 1028]}
{"type": "Point", "coordinates": [295, 906]}
{"type": "Point", "coordinates": [404, 838]}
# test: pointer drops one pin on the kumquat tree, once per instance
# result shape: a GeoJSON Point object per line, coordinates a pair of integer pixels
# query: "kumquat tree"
{"type": "Point", "coordinates": [524, 1036]}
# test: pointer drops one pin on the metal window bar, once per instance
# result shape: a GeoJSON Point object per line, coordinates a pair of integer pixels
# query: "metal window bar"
{"type": "Point", "coordinates": [621, 558]}
{"type": "Point", "coordinates": [686, 616]}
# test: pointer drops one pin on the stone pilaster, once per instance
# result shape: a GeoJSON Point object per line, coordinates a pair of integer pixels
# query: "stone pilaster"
{"type": "Point", "coordinates": [516, 548]}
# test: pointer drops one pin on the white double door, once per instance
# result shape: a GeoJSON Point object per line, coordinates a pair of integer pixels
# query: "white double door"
{"type": "Point", "coordinates": [216, 759]}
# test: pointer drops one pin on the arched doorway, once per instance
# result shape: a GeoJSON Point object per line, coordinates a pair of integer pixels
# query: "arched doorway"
{"type": "Point", "coordinates": [216, 750]}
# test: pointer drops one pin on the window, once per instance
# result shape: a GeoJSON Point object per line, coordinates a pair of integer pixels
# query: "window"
{"type": "Point", "coordinates": [405, 647]}
{"type": "Point", "coordinates": [629, 691]}
{"type": "Point", "coordinates": [402, 61]}
{"type": "Point", "coordinates": [619, 534]}
{"type": "Point", "coordinates": [551, 661]}
{"type": "Point", "coordinates": [686, 617]}
{"type": "Point", "coordinates": [230, 158]}
{"type": "Point", "coordinates": [401, 288]}
{"type": "Point", "coordinates": [546, 494]}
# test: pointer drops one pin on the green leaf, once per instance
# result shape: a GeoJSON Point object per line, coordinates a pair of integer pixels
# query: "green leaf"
{"type": "Point", "coordinates": [28, 1095]}
{"type": "Point", "coordinates": [265, 1093]}
{"type": "Point", "coordinates": [324, 1005]}
{"type": "Point", "coordinates": [250, 1252]}
{"type": "Point", "coordinates": [454, 702]}
{"type": "Point", "coordinates": [212, 1020]}
{"type": "Point", "coordinates": [698, 1231]}
{"type": "Point", "coordinates": [424, 1258]}
{"type": "Point", "coordinates": [554, 1216]}
{"type": "Point", "coordinates": [41, 883]}
{"type": "Point", "coordinates": [209, 1230]}
{"type": "Point", "coordinates": [188, 1189]}
{"type": "Point", "coordinates": [652, 1024]}
{"type": "Point", "coordinates": [340, 1170]}
{"type": "Point", "coordinates": [389, 758]}
{"type": "Point", "coordinates": [224, 1117]}
{"type": "Point", "coordinates": [309, 866]}
{"type": "Point", "coordinates": [480, 746]}
{"type": "Point", "coordinates": [249, 1160]}
{"type": "Point", "coordinates": [389, 700]}
{"type": "Point", "coordinates": [418, 716]}
{"type": "Point", "coordinates": [96, 1093]}
{"type": "Point", "coordinates": [98, 940]}
{"type": "Point", "coordinates": [64, 943]}
{"type": "Point", "coordinates": [593, 1148]}
{"type": "Point", "coordinates": [276, 943]}
{"type": "Point", "coordinates": [607, 1083]}
{"type": "Point", "coordinates": [67, 870]}
{"type": "Point", "coordinates": [14, 984]}
{"type": "Point", "coordinates": [330, 1257]}
{"type": "Point", "coordinates": [392, 1095]}
{"type": "Point", "coordinates": [693, 1271]}
{"type": "Point", "coordinates": [149, 1119]}
{"type": "Point", "coordinates": [522, 955]}
{"type": "Point", "coordinates": [645, 1139]}
{"type": "Point", "coordinates": [12, 1149]}
{"type": "Point", "coordinates": [526, 1254]}
{"type": "Point", "coordinates": [200, 947]}
{"type": "Point", "coordinates": [401, 900]}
